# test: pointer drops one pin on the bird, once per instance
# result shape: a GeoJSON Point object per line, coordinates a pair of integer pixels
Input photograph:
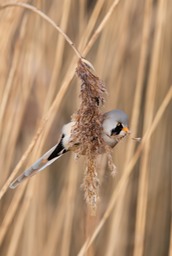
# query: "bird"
{"type": "Point", "coordinates": [115, 127]}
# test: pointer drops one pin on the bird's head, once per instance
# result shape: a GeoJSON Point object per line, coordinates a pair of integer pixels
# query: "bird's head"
{"type": "Point", "coordinates": [116, 124]}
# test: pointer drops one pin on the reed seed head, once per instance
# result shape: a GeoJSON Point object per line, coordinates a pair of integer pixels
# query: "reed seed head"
{"type": "Point", "coordinates": [87, 131]}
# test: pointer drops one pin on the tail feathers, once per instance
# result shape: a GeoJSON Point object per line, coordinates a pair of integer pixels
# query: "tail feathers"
{"type": "Point", "coordinates": [38, 166]}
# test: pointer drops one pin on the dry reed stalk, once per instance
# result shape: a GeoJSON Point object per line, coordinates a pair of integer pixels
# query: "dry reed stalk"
{"type": "Point", "coordinates": [90, 225]}
{"type": "Point", "coordinates": [16, 92]}
{"type": "Point", "coordinates": [170, 247]}
{"type": "Point", "coordinates": [58, 55]}
{"type": "Point", "coordinates": [100, 27]}
{"type": "Point", "coordinates": [115, 245]}
{"type": "Point", "coordinates": [12, 137]}
{"type": "Point", "coordinates": [141, 74]}
{"type": "Point", "coordinates": [15, 124]}
{"type": "Point", "coordinates": [11, 116]}
{"type": "Point", "coordinates": [115, 77]}
{"type": "Point", "coordinates": [5, 35]}
{"type": "Point", "coordinates": [149, 108]}
{"type": "Point", "coordinates": [34, 224]}
{"type": "Point", "coordinates": [124, 180]}
{"type": "Point", "coordinates": [13, 207]}
{"type": "Point", "coordinates": [119, 218]}
{"type": "Point", "coordinates": [69, 206]}
{"type": "Point", "coordinates": [91, 24]}
{"type": "Point", "coordinates": [12, 245]}
{"type": "Point", "coordinates": [118, 215]}
{"type": "Point", "coordinates": [50, 245]}
{"type": "Point", "coordinates": [30, 216]}
{"type": "Point", "coordinates": [61, 227]}
{"type": "Point", "coordinates": [22, 160]}
{"type": "Point", "coordinates": [82, 6]}
{"type": "Point", "coordinates": [8, 89]}
{"type": "Point", "coordinates": [45, 17]}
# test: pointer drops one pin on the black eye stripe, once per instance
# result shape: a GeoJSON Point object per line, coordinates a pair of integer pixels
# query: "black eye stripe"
{"type": "Point", "coordinates": [117, 129]}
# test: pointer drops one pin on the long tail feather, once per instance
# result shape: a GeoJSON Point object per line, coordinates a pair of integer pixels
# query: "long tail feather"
{"type": "Point", "coordinates": [38, 166]}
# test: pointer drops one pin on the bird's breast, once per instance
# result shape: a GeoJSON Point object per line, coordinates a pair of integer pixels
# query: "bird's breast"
{"type": "Point", "coordinates": [109, 140]}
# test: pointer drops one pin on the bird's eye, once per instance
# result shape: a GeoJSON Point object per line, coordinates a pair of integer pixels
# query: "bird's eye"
{"type": "Point", "coordinates": [117, 129]}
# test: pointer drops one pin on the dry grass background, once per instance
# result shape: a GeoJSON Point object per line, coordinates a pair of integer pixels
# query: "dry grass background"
{"type": "Point", "coordinates": [38, 94]}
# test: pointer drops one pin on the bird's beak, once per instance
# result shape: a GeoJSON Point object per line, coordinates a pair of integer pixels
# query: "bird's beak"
{"type": "Point", "coordinates": [125, 129]}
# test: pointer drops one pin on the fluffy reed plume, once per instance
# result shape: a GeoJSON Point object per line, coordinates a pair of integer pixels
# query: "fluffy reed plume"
{"type": "Point", "coordinates": [88, 129]}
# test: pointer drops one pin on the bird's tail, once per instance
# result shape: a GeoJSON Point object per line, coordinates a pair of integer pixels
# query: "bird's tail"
{"type": "Point", "coordinates": [48, 158]}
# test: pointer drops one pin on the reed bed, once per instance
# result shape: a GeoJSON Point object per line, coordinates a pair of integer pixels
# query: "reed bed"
{"type": "Point", "coordinates": [129, 44]}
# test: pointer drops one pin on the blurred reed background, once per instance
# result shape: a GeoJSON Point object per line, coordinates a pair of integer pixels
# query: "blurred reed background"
{"type": "Point", "coordinates": [47, 215]}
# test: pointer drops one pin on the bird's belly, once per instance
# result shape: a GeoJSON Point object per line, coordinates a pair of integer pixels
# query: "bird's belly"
{"type": "Point", "coordinates": [109, 141]}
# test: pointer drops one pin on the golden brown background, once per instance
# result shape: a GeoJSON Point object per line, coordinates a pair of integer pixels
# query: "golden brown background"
{"type": "Point", "coordinates": [38, 94]}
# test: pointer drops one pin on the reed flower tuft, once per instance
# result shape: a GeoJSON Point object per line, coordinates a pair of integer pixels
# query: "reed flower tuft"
{"type": "Point", "coordinates": [87, 131]}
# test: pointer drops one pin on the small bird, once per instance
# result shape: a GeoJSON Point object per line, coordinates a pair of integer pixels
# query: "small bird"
{"type": "Point", "coordinates": [115, 127]}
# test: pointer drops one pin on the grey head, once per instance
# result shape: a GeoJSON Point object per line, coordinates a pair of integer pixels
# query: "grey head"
{"type": "Point", "coordinates": [115, 126]}
{"type": "Point", "coordinates": [117, 115]}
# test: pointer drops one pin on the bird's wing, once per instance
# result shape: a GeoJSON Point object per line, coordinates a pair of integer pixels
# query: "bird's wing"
{"type": "Point", "coordinates": [48, 158]}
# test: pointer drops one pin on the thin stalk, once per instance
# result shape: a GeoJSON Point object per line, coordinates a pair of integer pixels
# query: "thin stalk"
{"type": "Point", "coordinates": [45, 17]}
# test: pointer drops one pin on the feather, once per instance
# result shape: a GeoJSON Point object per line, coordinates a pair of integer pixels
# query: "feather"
{"type": "Point", "coordinates": [39, 165]}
